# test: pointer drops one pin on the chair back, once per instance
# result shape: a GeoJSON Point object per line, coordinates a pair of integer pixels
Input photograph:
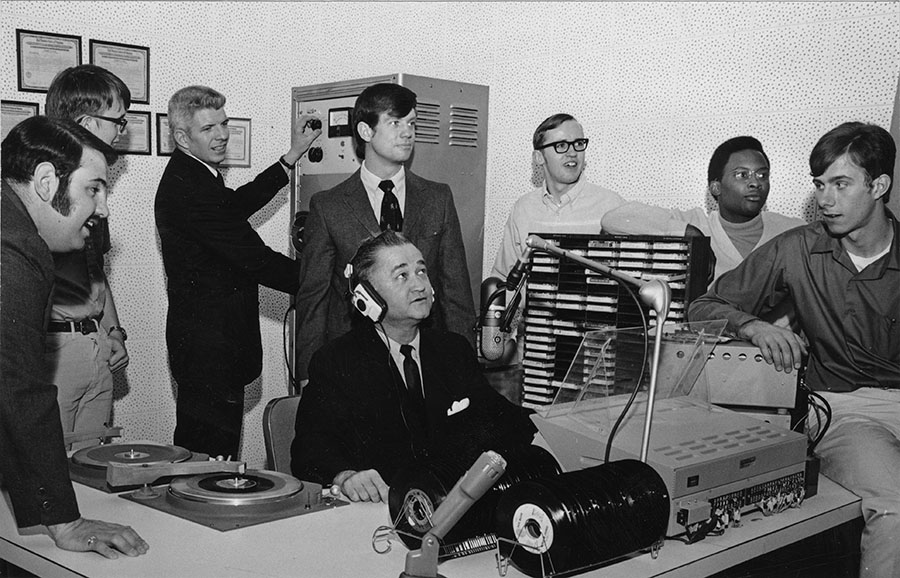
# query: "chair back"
{"type": "Point", "coordinates": [279, 421]}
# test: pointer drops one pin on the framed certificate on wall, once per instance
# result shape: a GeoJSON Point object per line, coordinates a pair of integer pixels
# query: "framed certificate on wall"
{"type": "Point", "coordinates": [128, 62]}
{"type": "Point", "coordinates": [12, 112]}
{"type": "Point", "coordinates": [41, 56]}
{"type": "Point", "coordinates": [165, 146]}
{"type": "Point", "coordinates": [238, 152]}
{"type": "Point", "coordinates": [136, 140]}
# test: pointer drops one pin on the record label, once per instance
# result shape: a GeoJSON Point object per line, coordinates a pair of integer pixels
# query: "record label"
{"type": "Point", "coordinates": [419, 510]}
{"type": "Point", "coordinates": [533, 528]}
{"type": "Point", "coordinates": [252, 487]}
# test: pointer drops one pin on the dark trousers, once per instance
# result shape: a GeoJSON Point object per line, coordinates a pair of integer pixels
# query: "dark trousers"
{"type": "Point", "coordinates": [209, 419]}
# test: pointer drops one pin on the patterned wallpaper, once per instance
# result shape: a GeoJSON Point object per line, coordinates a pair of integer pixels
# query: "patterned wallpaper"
{"type": "Point", "coordinates": [657, 87]}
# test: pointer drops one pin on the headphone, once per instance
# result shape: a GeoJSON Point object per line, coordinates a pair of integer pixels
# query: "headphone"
{"type": "Point", "coordinates": [365, 298]}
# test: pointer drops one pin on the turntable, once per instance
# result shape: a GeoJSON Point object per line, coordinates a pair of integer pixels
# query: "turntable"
{"type": "Point", "coordinates": [89, 466]}
{"type": "Point", "coordinates": [228, 501]}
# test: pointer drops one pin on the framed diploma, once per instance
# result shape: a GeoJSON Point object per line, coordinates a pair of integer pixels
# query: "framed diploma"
{"type": "Point", "coordinates": [238, 152]}
{"type": "Point", "coordinates": [165, 146]}
{"type": "Point", "coordinates": [136, 140]}
{"type": "Point", "coordinates": [13, 112]}
{"type": "Point", "coordinates": [128, 62]}
{"type": "Point", "coordinates": [41, 55]}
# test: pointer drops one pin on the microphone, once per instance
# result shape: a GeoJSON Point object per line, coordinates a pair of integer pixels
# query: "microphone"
{"type": "Point", "coordinates": [516, 281]}
{"type": "Point", "coordinates": [486, 470]}
{"type": "Point", "coordinates": [519, 272]}
{"type": "Point", "coordinates": [493, 297]}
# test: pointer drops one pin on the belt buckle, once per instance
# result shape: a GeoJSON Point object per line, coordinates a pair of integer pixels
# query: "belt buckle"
{"type": "Point", "coordinates": [84, 326]}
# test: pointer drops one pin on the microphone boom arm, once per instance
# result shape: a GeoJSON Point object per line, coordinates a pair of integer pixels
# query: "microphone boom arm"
{"type": "Point", "coordinates": [655, 293]}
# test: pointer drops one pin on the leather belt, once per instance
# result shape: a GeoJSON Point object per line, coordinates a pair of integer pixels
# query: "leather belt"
{"type": "Point", "coordinates": [84, 326]}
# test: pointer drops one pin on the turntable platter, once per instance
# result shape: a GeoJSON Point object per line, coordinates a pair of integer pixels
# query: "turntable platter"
{"type": "Point", "coordinates": [125, 453]}
{"type": "Point", "coordinates": [255, 487]}
{"type": "Point", "coordinates": [228, 501]}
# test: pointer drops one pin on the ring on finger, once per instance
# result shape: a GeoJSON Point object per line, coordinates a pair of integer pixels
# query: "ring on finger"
{"type": "Point", "coordinates": [91, 541]}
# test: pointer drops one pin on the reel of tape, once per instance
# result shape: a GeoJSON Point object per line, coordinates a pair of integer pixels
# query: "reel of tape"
{"type": "Point", "coordinates": [582, 519]}
{"type": "Point", "coordinates": [419, 489]}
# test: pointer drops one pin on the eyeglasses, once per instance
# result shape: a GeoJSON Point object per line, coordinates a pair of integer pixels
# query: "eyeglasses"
{"type": "Point", "coordinates": [561, 146]}
{"type": "Point", "coordinates": [122, 122]}
{"type": "Point", "coordinates": [746, 174]}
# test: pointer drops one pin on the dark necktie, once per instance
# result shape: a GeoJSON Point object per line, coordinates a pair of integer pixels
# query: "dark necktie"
{"type": "Point", "coordinates": [413, 380]}
{"type": "Point", "coordinates": [390, 208]}
{"type": "Point", "coordinates": [220, 179]}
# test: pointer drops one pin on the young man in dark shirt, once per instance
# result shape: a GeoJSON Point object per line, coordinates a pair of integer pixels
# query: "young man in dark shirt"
{"type": "Point", "coordinates": [841, 275]}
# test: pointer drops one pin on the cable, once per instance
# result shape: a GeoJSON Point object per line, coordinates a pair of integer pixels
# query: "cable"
{"type": "Point", "coordinates": [292, 384]}
{"type": "Point", "coordinates": [822, 411]}
{"type": "Point", "coordinates": [637, 385]}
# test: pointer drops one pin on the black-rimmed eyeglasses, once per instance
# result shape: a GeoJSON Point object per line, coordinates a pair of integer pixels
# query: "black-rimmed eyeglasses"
{"type": "Point", "coordinates": [122, 122]}
{"type": "Point", "coordinates": [562, 146]}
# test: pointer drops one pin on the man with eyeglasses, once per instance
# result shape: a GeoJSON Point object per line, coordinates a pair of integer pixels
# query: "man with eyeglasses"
{"type": "Point", "coordinates": [738, 178]}
{"type": "Point", "coordinates": [841, 275]}
{"type": "Point", "coordinates": [85, 341]}
{"type": "Point", "coordinates": [565, 203]}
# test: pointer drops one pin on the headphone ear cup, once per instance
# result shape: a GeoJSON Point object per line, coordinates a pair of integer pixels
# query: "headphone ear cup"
{"type": "Point", "coordinates": [368, 302]}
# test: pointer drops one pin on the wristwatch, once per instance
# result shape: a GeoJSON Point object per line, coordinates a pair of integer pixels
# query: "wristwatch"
{"type": "Point", "coordinates": [118, 328]}
{"type": "Point", "coordinates": [285, 164]}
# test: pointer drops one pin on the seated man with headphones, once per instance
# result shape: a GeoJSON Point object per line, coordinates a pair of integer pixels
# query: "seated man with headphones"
{"type": "Point", "coordinates": [391, 391]}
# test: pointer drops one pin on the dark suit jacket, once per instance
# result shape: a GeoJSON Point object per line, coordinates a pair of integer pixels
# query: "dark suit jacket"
{"type": "Point", "coordinates": [32, 454]}
{"type": "Point", "coordinates": [350, 414]}
{"type": "Point", "coordinates": [339, 220]}
{"type": "Point", "coordinates": [214, 262]}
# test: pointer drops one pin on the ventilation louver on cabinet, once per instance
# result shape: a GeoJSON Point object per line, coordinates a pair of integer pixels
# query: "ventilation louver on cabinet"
{"type": "Point", "coordinates": [428, 122]}
{"type": "Point", "coordinates": [464, 123]}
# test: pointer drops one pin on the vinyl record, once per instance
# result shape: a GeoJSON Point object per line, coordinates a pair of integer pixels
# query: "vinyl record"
{"type": "Point", "coordinates": [125, 453]}
{"type": "Point", "coordinates": [583, 518]}
{"type": "Point", "coordinates": [254, 487]}
{"type": "Point", "coordinates": [418, 490]}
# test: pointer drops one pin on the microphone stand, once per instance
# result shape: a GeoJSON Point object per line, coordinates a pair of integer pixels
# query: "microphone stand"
{"type": "Point", "coordinates": [655, 293]}
{"type": "Point", "coordinates": [479, 478]}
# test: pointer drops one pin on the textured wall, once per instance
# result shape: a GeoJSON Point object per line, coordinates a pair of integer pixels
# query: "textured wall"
{"type": "Point", "coordinates": [656, 85]}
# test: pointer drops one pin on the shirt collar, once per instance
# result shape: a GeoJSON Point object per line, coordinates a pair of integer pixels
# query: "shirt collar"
{"type": "Point", "coordinates": [567, 197]}
{"type": "Point", "coordinates": [394, 346]}
{"type": "Point", "coordinates": [209, 167]}
{"type": "Point", "coordinates": [371, 180]}
{"type": "Point", "coordinates": [825, 243]}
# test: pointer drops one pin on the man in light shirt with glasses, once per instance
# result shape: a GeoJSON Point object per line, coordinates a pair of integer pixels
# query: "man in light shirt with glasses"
{"type": "Point", "coordinates": [738, 178]}
{"type": "Point", "coordinates": [565, 203]}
